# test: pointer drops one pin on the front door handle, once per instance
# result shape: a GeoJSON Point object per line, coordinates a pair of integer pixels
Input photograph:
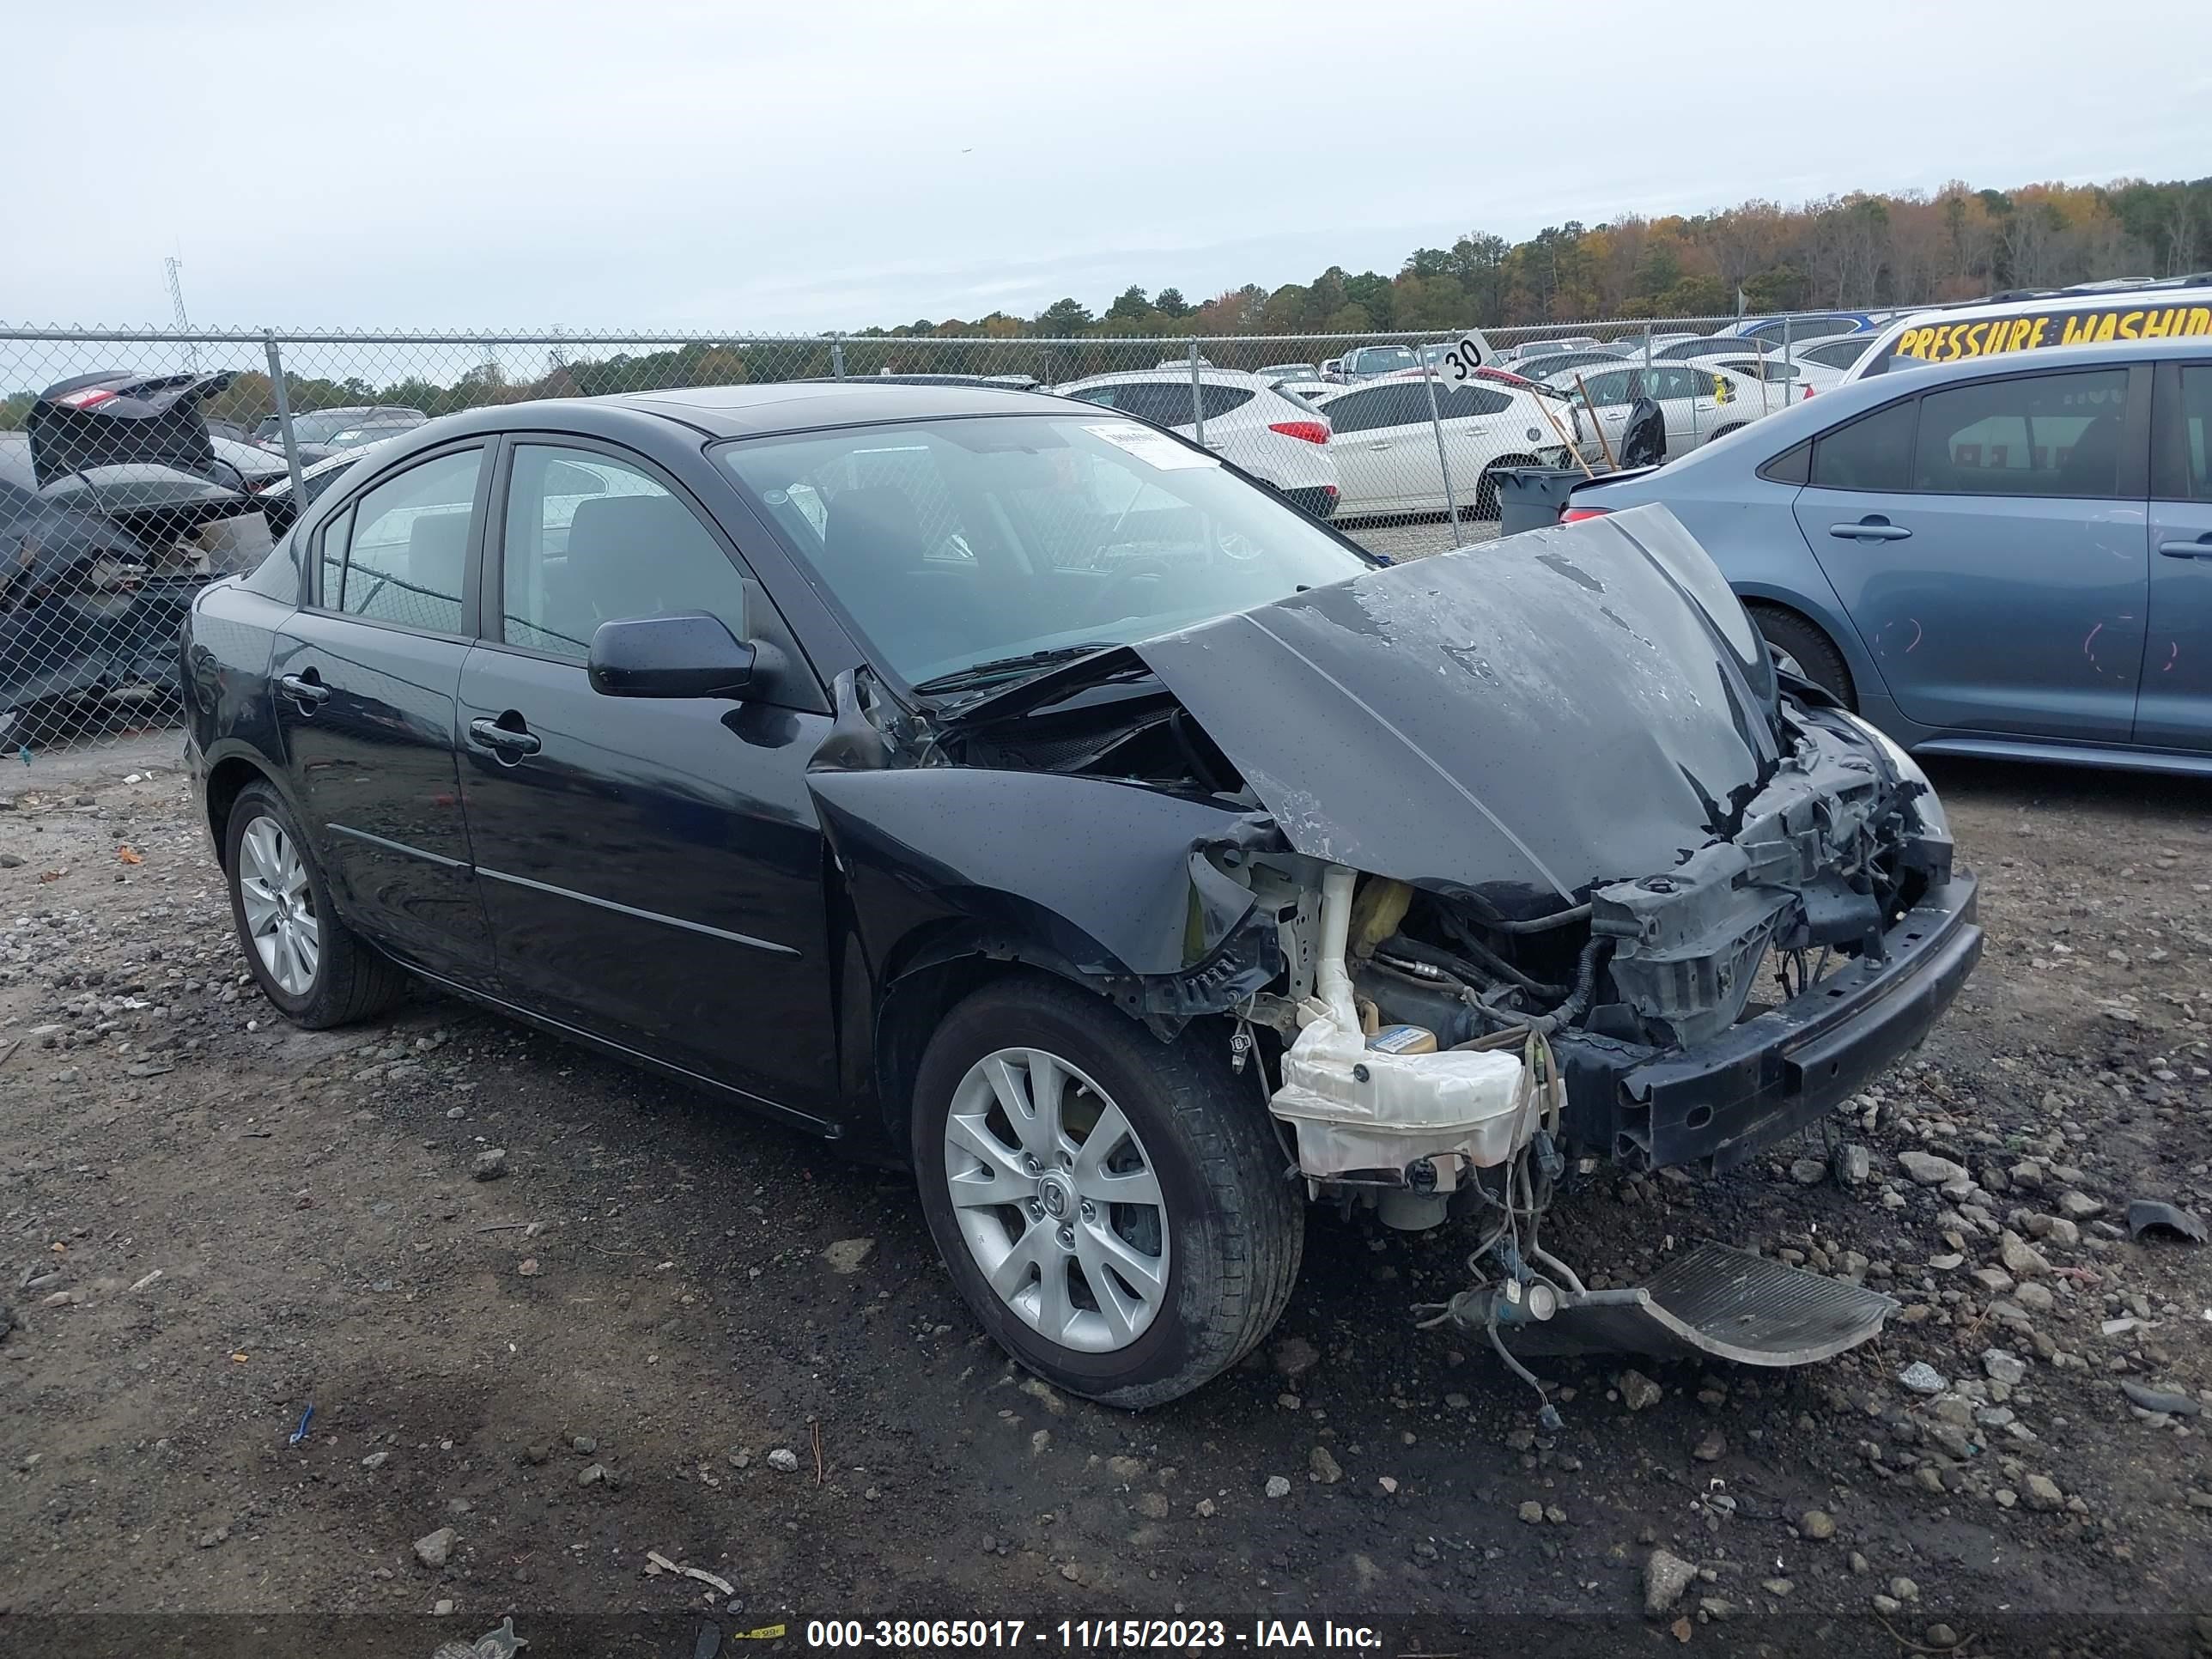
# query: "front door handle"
{"type": "Point", "coordinates": [310, 694]}
{"type": "Point", "coordinates": [511, 743]}
{"type": "Point", "coordinates": [1870, 530]}
{"type": "Point", "coordinates": [1378, 443]}
{"type": "Point", "coordinates": [2199, 549]}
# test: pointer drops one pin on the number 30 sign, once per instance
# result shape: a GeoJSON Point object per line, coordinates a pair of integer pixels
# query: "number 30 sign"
{"type": "Point", "coordinates": [1469, 352]}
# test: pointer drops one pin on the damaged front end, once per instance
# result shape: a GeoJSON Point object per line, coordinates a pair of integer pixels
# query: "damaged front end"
{"type": "Point", "coordinates": [1483, 865]}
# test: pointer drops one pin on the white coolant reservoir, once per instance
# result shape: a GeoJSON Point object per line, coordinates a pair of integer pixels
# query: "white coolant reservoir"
{"type": "Point", "coordinates": [1359, 1107]}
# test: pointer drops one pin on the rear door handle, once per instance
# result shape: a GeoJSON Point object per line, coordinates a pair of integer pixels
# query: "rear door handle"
{"type": "Point", "coordinates": [1870, 530]}
{"type": "Point", "coordinates": [310, 694]}
{"type": "Point", "coordinates": [511, 744]}
{"type": "Point", "coordinates": [2199, 549]}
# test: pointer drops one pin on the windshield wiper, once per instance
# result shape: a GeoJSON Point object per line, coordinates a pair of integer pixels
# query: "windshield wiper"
{"type": "Point", "coordinates": [999, 668]}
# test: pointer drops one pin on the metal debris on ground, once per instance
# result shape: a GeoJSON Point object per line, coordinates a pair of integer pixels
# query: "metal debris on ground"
{"type": "Point", "coordinates": [300, 1433]}
{"type": "Point", "coordinates": [657, 1562]}
{"type": "Point", "coordinates": [501, 1643]}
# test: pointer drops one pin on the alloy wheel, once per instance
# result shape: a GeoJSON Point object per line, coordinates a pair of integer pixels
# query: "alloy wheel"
{"type": "Point", "coordinates": [279, 903]}
{"type": "Point", "coordinates": [1058, 1201]}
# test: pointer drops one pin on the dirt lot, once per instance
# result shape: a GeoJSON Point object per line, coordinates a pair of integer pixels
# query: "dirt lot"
{"type": "Point", "coordinates": [668, 1328]}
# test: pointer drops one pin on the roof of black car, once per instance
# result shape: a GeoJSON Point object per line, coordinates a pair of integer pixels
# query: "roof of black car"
{"type": "Point", "coordinates": [783, 406]}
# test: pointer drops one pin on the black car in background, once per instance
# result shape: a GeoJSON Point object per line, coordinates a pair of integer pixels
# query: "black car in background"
{"type": "Point", "coordinates": [983, 782]}
{"type": "Point", "coordinates": [116, 502]}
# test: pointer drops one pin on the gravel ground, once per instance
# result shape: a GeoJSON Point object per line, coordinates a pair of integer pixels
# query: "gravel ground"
{"type": "Point", "coordinates": [664, 1327]}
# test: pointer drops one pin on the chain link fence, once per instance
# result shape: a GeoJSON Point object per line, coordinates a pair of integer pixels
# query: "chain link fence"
{"type": "Point", "coordinates": [137, 466]}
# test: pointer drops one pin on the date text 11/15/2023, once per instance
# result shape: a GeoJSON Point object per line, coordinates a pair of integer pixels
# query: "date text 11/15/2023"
{"type": "Point", "coordinates": [1090, 1635]}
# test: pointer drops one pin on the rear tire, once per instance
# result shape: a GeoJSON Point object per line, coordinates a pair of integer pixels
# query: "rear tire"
{"type": "Point", "coordinates": [1817, 658]}
{"type": "Point", "coordinates": [1191, 1272]}
{"type": "Point", "coordinates": [316, 969]}
{"type": "Point", "coordinates": [1720, 432]}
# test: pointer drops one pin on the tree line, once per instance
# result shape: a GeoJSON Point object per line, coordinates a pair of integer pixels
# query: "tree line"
{"type": "Point", "coordinates": [1855, 251]}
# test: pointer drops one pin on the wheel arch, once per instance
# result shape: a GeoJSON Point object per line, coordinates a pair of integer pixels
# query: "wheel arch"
{"type": "Point", "coordinates": [935, 969]}
{"type": "Point", "coordinates": [228, 778]}
{"type": "Point", "coordinates": [1866, 679]}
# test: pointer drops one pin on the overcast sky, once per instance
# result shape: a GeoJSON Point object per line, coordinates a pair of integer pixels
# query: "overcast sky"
{"type": "Point", "coordinates": [826, 165]}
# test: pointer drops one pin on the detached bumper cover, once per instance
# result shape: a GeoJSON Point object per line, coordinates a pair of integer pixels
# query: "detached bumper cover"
{"type": "Point", "coordinates": [1766, 1078]}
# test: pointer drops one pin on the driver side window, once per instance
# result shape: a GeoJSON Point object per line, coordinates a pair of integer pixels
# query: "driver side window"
{"type": "Point", "coordinates": [592, 539]}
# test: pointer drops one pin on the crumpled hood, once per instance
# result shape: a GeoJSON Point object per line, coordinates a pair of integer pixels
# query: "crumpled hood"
{"type": "Point", "coordinates": [1566, 706]}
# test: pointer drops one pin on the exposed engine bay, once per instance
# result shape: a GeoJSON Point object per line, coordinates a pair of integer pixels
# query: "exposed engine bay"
{"type": "Point", "coordinates": [1466, 933]}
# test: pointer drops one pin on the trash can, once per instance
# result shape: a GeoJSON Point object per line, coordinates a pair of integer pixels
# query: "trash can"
{"type": "Point", "coordinates": [1530, 497]}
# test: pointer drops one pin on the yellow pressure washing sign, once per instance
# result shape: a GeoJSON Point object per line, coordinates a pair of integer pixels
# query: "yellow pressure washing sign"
{"type": "Point", "coordinates": [1945, 342]}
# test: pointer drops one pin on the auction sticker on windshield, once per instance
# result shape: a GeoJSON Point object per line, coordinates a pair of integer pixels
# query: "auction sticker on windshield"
{"type": "Point", "coordinates": [1155, 449]}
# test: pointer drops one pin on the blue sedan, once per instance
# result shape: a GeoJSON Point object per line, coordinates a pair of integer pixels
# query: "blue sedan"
{"type": "Point", "coordinates": [1997, 558]}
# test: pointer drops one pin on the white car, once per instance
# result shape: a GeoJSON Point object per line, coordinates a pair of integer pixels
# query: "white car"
{"type": "Point", "coordinates": [1699, 403]}
{"type": "Point", "coordinates": [1386, 443]}
{"type": "Point", "coordinates": [1275, 436]}
{"type": "Point", "coordinates": [2088, 315]}
{"type": "Point", "coordinates": [1800, 377]}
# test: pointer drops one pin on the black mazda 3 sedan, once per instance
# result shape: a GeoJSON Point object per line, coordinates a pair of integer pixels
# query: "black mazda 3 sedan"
{"type": "Point", "coordinates": [983, 782]}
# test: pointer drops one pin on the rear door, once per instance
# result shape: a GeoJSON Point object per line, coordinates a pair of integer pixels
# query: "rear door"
{"type": "Point", "coordinates": [2175, 709]}
{"type": "Point", "coordinates": [1385, 448]}
{"type": "Point", "coordinates": [1482, 425]}
{"type": "Point", "coordinates": [652, 865]}
{"type": "Point", "coordinates": [1988, 541]}
{"type": "Point", "coordinates": [365, 679]}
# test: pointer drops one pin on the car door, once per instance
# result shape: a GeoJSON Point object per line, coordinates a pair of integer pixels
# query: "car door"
{"type": "Point", "coordinates": [1480, 425]}
{"type": "Point", "coordinates": [1385, 449]}
{"type": "Point", "coordinates": [365, 678]}
{"type": "Point", "coordinates": [1606, 398]}
{"type": "Point", "coordinates": [1988, 542]}
{"type": "Point", "coordinates": [2174, 707]}
{"type": "Point", "coordinates": [652, 866]}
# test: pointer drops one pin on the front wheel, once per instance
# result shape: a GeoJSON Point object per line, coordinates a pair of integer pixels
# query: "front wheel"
{"type": "Point", "coordinates": [1813, 652]}
{"type": "Point", "coordinates": [308, 963]}
{"type": "Point", "coordinates": [1114, 1208]}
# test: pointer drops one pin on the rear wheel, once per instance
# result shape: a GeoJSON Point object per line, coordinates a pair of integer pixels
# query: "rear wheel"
{"type": "Point", "coordinates": [314, 968]}
{"type": "Point", "coordinates": [1723, 431]}
{"type": "Point", "coordinates": [1113, 1208]}
{"type": "Point", "coordinates": [1815, 653]}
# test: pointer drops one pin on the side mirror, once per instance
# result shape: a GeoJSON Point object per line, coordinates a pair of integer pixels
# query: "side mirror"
{"type": "Point", "coordinates": [690, 655]}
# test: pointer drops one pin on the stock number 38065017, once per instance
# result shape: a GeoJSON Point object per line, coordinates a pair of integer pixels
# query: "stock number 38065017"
{"type": "Point", "coordinates": [1072, 1633]}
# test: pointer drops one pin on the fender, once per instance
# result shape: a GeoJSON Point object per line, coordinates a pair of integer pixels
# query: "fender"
{"type": "Point", "coordinates": [943, 861]}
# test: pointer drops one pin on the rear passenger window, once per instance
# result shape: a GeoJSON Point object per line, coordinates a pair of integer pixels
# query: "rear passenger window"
{"type": "Point", "coordinates": [1400, 403]}
{"type": "Point", "coordinates": [1216, 401]}
{"type": "Point", "coordinates": [409, 547]}
{"type": "Point", "coordinates": [1874, 453]}
{"type": "Point", "coordinates": [1461, 402]}
{"type": "Point", "coordinates": [2183, 438]}
{"type": "Point", "coordinates": [2034, 434]}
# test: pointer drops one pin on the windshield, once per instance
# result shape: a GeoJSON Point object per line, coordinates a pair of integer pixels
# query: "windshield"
{"type": "Point", "coordinates": [1381, 360]}
{"type": "Point", "coordinates": [958, 541]}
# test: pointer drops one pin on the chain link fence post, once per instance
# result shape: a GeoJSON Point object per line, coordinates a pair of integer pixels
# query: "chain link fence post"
{"type": "Point", "coordinates": [837, 355]}
{"type": "Point", "coordinates": [1197, 394]}
{"type": "Point", "coordinates": [284, 413]}
{"type": "Point", "coordinates": [1444, 460]}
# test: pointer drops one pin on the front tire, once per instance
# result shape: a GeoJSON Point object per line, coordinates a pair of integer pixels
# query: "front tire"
{"type": "Point", "coordinates": [1816, 655]}
{"type": "Point", "coordinates": [1113, 1208]}
{"type": "Point", "coordinates": [314, 968]}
